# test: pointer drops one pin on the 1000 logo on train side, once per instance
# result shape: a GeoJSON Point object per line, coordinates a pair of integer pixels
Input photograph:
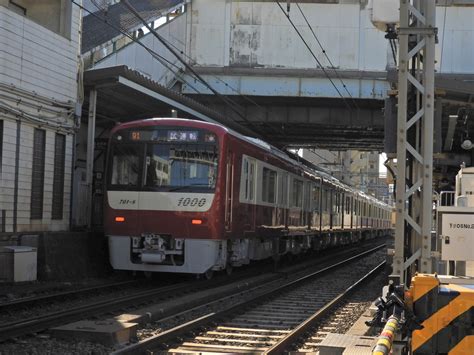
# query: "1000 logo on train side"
{"type": "Point", "coordinates": [188, 201]}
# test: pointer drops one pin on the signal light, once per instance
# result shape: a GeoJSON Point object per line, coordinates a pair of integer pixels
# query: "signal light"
{"type": "Point", "coordinates": [196, 221]}
{"type": "Point", "coordinates": [119, 219]}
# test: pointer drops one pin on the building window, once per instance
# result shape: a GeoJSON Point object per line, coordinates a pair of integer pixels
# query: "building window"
{"type": "Point", "coordinates": [58, 178]}
{"type": "Point", "coordinates": [55, 15]}
{"type": "Point", "coordinates": [37, 175]}
{"type": "Point", "coordinates": [20, 10]}
{"type": "Point", "coordinates": [269, 185]}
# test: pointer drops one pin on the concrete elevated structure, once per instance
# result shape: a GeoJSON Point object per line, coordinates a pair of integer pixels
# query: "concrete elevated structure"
{"type": "Point", "coordinates": [250, 53]}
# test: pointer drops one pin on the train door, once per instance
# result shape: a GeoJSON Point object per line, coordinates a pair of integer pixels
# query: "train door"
{"type": "Point", "coordinates": [229, 191]}
{"type": "Point", "coordinates": [307, 205]}
{"type": "Point", "coordinates": [343, 208]}
{"type": "Point", "coordinates": [283, 199]}
{"type": "Point", "coordinates": [331, 208]}
{"type": "Point", "coordinates": [356, 213]}
{"type": "Point", "coordinates": [351, 211]}
{"type": "Point", "coordinates": [315, 208]}
{"type": "Point", "coordinates": [247, 209]}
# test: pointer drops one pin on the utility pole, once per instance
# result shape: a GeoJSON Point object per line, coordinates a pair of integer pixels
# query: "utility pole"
{"type": "Point", "coordinates": [416, 35]}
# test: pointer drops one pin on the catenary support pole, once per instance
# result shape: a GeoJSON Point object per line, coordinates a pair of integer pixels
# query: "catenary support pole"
{"type": "Point", "coordinates": [90, 152]}
{"type": "Point", "coordinates": [416, 34]}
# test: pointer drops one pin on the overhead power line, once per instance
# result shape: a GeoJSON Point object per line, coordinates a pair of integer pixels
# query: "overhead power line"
{"type": "Point", "coordinates": [160, 58]}
{"type": "Point", "coordinates": [333, 67]}
{"type": "Point", "coordinates": [287, 15]}
{"type": "Point", "coordinates": [178, 56]}
{"type": "Point", "coordinates": [245, 97]}
{"type": "Point", "coordinates": [163, 61]}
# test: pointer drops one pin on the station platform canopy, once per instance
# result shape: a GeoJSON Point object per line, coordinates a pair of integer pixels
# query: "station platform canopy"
{"type": "Point", "coordinates": [125, 95]}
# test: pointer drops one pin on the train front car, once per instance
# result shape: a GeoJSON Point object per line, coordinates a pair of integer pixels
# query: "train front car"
{"type": "Point", "coordinates": [162, 206]}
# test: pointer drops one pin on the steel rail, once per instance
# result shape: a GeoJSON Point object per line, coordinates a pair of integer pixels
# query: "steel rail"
{"type": "Point", "coordinates": [33, 299]}
{"type": "Point", "coordinates": [292, 337]}
{"type": "Point", "coordinates": [167, 336]}
{"type": "Point", "coordinates": [41, 323]}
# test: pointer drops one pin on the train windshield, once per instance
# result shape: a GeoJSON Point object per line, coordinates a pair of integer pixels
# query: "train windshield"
{"type": "Point", "coordinates": [180, 166]}
{"type": "Point", "coordinates": [163, 161]}
{"type": "Point", "coordinates": [125, 165]}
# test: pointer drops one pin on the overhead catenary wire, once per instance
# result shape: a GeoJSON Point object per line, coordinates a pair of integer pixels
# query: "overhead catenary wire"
{"type": "Point", "coordinates": [245, 97]}
{"type": "Point", "coordinates": [154, 54]}
{"type": "Point", "coordinates": [287, 15]}
{"type": "Point", "coordinates": [333, 67]}
{"type": "Point", "coordinates": [160, 58]}
{"type": "Point", "coordinates": [178, 56]}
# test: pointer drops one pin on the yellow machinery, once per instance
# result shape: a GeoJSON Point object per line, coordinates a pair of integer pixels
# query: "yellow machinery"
{"type": "Point", "coordinates": [444, 306]}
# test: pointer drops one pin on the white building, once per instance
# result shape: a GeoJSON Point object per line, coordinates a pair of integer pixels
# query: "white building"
{"type": "Point", "coordinates": [39, 70]}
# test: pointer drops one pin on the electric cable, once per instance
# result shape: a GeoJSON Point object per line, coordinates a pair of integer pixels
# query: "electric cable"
{"type": "Point", "coordinates": [155, 55]}
{"type": "Point", "coordinates": [188, 67]}
{"type": "Point", "coordinates": [245, 97]}
{"type": "Point", "coordinates": [287, 15]}
{"type": "Point", "coordinates": [327, 56]}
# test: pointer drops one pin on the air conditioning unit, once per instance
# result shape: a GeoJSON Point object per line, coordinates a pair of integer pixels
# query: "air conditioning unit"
{"type": "Point", "coordinates": [18, 263]}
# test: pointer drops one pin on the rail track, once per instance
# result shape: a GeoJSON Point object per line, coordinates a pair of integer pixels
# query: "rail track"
{"type": "Point", "coordinates": [37, 324]}
{"type": "Point", "coordinates": [109, 305]}
{"type": "Point", "coordinates": [55, 296]}
{"type": "Point", "coordinates": [269, 321]}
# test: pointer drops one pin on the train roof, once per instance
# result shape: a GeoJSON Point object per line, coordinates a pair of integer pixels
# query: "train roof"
{"type": "Point", "coordinates": [308, 167]}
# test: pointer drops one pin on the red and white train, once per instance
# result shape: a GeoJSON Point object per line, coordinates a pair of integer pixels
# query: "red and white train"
{"type": "Point", "coordinates": [187, 196]}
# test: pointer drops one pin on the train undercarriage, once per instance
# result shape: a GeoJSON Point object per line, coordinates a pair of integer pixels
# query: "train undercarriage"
{"type": "Point", "coordinates": [156, 253]}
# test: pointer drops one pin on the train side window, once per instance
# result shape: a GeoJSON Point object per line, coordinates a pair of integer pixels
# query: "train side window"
{"type": "Point", "coordinates": [329, 200]}
{"type": "Point", "coordinates": [269, 179]}
{"type": "Point", "coordinates": [283, 189]}
{"type": "Point", "coordinates": [307, 196]}
{"type": "Point", "coordinates": [297, 193]}
{"type": "Point", "coordinates": [248, 179]}
{"type": "Point", "coordinates": [316, 195]}
{"type": "Point", "coordinates": [348, 204]}
{"type": "Point", "coordinates": [323, 200]}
